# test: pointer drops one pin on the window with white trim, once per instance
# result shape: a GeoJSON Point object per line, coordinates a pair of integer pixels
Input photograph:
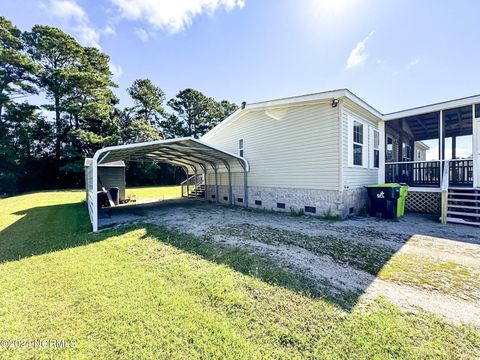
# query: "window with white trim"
{"type": "Point", "coordinates": [240, 147]}
{"type": "Point", "coordinates": [358, 138]}
{"type": "Point", "coordinates": [375, 161]}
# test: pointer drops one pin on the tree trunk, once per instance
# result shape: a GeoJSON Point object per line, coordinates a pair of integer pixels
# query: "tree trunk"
{"type": "Point", "coordinates": [58, 130]}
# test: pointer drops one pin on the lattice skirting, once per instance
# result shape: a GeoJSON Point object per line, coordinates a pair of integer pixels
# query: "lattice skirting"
{"type": "Point", "coordinates": [423, 202]}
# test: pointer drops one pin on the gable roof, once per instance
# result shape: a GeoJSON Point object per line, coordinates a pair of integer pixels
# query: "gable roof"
{"type": "Point", "coordinates": [339, 94]}
{"type": "Point", "coordinates": [295, 100]}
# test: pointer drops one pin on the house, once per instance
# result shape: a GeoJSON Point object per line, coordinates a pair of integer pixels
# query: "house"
{"type": "Point", "coordinates": [420, 150]}
{"type": "Point", "coordinates": [315, 153]}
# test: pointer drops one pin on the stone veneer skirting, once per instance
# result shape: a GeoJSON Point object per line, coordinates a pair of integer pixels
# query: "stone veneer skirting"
{"type": "Point", "coordinates": [350, 201]}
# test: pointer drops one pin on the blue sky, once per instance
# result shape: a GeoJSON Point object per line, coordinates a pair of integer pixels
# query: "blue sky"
{"type": "Point", "coordinates": [394, 54]}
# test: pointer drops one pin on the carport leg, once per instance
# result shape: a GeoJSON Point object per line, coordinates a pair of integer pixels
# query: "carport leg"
{"type": "Point", "coordinates": [216, 184]}
{"type": "Point", "coordinates": [230, 190]}
{"type": "Point", "coordinates": [245, 186]}
{"type": "Point", "coordinates": [195, 183]}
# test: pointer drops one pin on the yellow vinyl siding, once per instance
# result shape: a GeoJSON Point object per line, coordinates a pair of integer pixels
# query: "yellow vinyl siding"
{"type": "Point", "coordinates": [291, 147]}
{"type": "Point", "coordinates": [354, 177]}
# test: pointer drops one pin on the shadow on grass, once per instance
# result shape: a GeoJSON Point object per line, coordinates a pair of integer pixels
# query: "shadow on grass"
{"type": "Point", "coordinates": [47, 229]}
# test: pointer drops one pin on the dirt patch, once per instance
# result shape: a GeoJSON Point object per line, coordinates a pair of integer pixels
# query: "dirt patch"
{"type": "Point", "coordinates": [353, 256]}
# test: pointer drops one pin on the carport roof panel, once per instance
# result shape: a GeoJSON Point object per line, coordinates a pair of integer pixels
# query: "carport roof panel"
{"type": "Point", "coordinates": [181, 151]}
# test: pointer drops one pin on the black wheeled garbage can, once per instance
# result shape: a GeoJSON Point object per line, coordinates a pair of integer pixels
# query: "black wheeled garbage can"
{"type": "Point", "coordinates": [383, 199]}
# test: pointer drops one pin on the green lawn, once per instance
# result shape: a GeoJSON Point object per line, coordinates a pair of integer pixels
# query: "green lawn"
{"type": "Point", "coordinates": [165, 192]}
{"type": "Point", "coordinates": [145, 292]}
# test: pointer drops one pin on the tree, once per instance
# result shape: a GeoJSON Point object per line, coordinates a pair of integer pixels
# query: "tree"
{"type": "Point", "coordinates": [90, 120]}
{"type": "Point", "coordinates": [58, 55]}
{"type": "Point", "coordinates": [148, 100]}
{"type": "Point", "coordinates": [198, 113]}
{"type": "Point", "coordinates": [134, 129]}
{"type": "Point", "coordinates": [16, 68]}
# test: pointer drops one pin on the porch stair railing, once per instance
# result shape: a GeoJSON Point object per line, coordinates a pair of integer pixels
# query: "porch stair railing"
{"type": "Point", "coordinates": [193, 187]}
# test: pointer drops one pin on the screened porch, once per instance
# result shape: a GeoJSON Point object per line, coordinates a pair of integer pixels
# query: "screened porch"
{"type": "Point", "coordinates": [420, 143]}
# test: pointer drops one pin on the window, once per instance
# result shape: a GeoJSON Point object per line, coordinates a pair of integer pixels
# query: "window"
{"type": "Point", "coordinates": [406, 152]}
{"type": "Point", "coordinates": [240, 200]}
{"type": "Point", "coordinates": [419, 155]}
{"type": "Point", "coordinates": [240, 147]}
{"type": "Point", "coordinates": [281, 205]}
{"type": "Point", "coordinates": [375, 149]}
{"type": "Point", "coordinates": [225, 198]}
{"type": "Point", "coordinates": [357, 143]}
{"type": "Point", "coordinates": [389, 150]}
{"type": "Point", "coordinates": [258, 202]}
{"type": "Point", "coordinates": [213, 196]}
{"type": "Point", "coordinates": [477, 111]}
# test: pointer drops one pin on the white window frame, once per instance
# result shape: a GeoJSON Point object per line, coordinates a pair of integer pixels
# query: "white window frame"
{"type": "Point", "coordinates": [374, 148]}
{"type": "Point", "coordinates": [241, 149]}
{"type": "Point", "coordinates": [365, 138]}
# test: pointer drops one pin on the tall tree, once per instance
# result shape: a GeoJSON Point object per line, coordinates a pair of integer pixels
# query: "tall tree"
{"type": "Point", "coordinates": [58, 55]}
{"type": "Point", "coordinates": [148, 99]}
{"type": "Point", "coordinates": [90, 121]}
{"type": "Point", "coordinates": [197, 112]}
{"type": "Point", "coordinates": [16, 68]}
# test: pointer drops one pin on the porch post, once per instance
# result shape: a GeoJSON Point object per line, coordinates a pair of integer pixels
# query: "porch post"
{"type": "Point", "coordinates": [442, 139]}
{"type": "Point", "coordinates": [476, 148]}
{"type": "Point", "coordinates": [383, 139]}
{"type": "Point", "coordinates": [454, 147]}
{"type": "Point", "coordinates": [441, 147]}
{"type": "Point", "coordinates": [195, 183]}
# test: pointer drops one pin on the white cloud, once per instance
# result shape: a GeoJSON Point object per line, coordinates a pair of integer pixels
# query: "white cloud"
{"type": "Point", "coordinates": [108, 30]}
{"type": "Point", "coordinates": [116, 70]}
{"type": "Point", "coordinates": [413, 63]}
{"type": "Point", "coordinates": [143, 34]}
{"type": "Point", "coordinates": [358, 56]}
{"type": "Point", "coordinates": [67, 9]}
{"type": "Point", "coordinates": [172, 16]}
{"type": "Point", "coordinates": [77, 19]}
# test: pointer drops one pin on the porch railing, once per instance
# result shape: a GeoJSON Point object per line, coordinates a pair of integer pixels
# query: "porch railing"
{"type": "Point", "coordinates": [428, 173]}
{"type": "Point", "coordinates": [189, 184]}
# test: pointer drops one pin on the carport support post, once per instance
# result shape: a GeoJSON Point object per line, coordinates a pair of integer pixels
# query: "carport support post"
{"type": "Point", "coordinates": [216, 183]}
{"type": "Point", "coordinates": [230, 191]}
{"type": "Point", "coordinates": [195, 183]}
{"type": "Point", "coordinates": [95, 195]}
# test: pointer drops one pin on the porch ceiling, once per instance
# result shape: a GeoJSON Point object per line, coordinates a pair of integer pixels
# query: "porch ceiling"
{"type": "Point", "coordinates": [426, 126]}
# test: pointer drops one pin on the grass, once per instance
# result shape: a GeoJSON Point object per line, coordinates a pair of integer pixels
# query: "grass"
{"type": "Point", "coordinates": [161, 192]}
{"type": "Point", "coordinates": [146, 292]}
{"type": "Point", "coordinates": [445, 276]}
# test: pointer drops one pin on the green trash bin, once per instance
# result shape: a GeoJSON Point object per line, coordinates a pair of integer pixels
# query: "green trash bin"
{"type": "Point", "coordinates": [401, 200]}
{"type": "Point", "coordinates": [383, 198]}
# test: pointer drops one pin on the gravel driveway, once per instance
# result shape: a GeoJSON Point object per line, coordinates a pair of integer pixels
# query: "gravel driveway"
{"type": "Point", "coordinates": [415, 262]}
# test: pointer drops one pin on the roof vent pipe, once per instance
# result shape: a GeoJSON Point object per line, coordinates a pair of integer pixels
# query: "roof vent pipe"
{"type": "Point", "coordinates": [243, 105]}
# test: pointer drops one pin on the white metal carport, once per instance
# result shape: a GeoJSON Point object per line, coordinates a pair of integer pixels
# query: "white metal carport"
{"type": "Point", "coordinates": [193, 155]}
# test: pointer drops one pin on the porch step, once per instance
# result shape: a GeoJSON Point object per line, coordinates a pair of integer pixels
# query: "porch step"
{"type": "Point", "coordinates": [463, 200]}
{"type": "Point", "coordinates": [464, 206]}
{"type": "Point", "coordinates": [459, 213]}
{"type": "Point", "coordinates": [462, 221]}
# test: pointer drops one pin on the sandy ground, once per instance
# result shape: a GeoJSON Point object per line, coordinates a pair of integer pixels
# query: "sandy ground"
{"type": "Point", "coordinates": [416, 235]}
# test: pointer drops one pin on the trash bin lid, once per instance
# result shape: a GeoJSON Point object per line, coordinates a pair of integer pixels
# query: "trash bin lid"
{"type": "Point", "coordinates": [389, 185]}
